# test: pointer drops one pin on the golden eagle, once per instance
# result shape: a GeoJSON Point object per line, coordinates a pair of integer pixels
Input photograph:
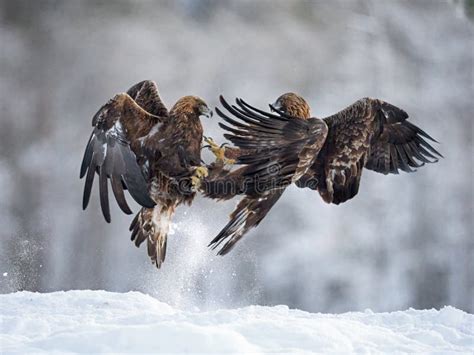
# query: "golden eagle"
{"type": "Point", "coordinates": [155, 154]}
{"type": "Point", "coordinates": [328, 155]}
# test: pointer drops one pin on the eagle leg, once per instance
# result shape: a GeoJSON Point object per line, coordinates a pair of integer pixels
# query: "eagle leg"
{"type": "Point", "coordinates": [218, 151]}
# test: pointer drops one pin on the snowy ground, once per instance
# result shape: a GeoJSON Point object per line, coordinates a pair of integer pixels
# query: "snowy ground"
{"type": "Point", "coordinates": [99, 321]}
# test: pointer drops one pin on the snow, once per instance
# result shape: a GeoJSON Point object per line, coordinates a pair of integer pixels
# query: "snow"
{"type": "Point", "coordinates": [100, 321]}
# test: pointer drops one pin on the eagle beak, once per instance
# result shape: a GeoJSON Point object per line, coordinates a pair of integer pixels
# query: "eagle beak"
{"type": "Point", "coordinates": [206, 112]}
{"type": "Point", "coordinates": [275, 106]}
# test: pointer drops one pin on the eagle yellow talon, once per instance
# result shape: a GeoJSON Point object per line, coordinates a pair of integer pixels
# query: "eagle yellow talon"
{"type": "Point", "coordinates": [218, 151]}
{"type": "Point", "coordinates": [198, 175]}
{"type": "Point", "coordinates": [201, 171]}
{"type": "Point", "coordinates": [195, 182]}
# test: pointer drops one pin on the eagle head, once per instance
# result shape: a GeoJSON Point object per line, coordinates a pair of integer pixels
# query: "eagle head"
{"type": "Point", "coordinates": [293, 104]}
{"type": "Point", "coordinates": [192, 105]}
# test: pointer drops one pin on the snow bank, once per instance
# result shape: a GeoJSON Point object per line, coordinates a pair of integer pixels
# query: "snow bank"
{"type": "Point", "coordinates": [99, 321]}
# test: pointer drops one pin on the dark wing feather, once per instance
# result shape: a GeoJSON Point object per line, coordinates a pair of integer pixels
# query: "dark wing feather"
{"type": "Point", "coordinates": [103, 192]}
{"type": "Point", "coordinates": [370, 133]}
{"type": "Point", "coordinates": [248, 214]}
{"type": "Point", "coordinates": [401, 146]}
{"type": "Point", "coordinates": [86, 160]}
{"type": "Point", "coordinates": [117, 188]}
{"type": "Point", "coordinates": [146, 95]}
{"type": "Point", "coordinates": [109, 153]}
{"type": "Point", "coordinates": [280, 146]}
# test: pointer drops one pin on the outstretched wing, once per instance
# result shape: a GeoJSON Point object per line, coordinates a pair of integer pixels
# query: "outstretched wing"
{"type": "Point", "coordinates": [146, 95]}
{"type": "Point", "coordinates": [370, 133]}
{"type": "Point", "coordinates": [402, 145]}
{"type": "Point", "coordinates": [117, 126]}
{"type": "Point", "coordinates": [281, 147]}
{"type": "Point", "coordinates": [276, 149]}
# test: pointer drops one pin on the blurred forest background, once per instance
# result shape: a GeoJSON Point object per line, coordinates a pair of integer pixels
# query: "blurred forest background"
{"type": "Point", "coordinates": [404, 241]}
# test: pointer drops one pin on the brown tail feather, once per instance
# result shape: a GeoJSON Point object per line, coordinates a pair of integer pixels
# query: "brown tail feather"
{"type": "Point", "coordinates": [152, 225]}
